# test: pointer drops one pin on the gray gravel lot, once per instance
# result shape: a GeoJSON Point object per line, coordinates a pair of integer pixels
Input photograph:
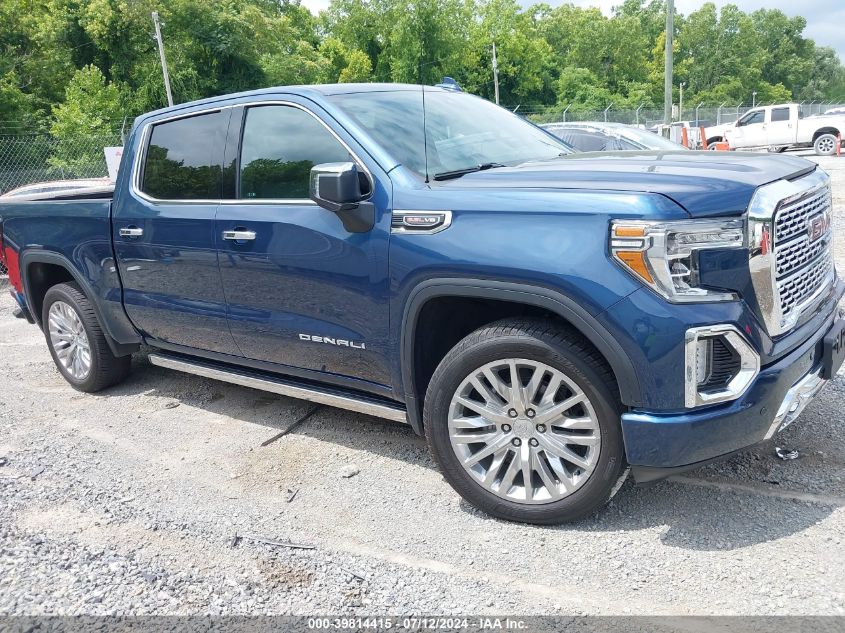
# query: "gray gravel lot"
{"type": "Point", "coordinates": [129, 501]}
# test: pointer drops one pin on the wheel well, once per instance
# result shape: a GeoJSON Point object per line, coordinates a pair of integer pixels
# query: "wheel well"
{"type": "Point", "coordinates": [443, 321]}
{"type": "Point", "coordinates": [825, 130]}
{"type": "Point", "coordinates": [40, 278]}
{"type": "Point", "coordinates": [715, 139]}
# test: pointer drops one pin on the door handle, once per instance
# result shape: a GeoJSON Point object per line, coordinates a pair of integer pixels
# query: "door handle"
{"type": "Point", "coordinates": [131, 231]}
{"type": "Point", "coordinates": [239, 235]}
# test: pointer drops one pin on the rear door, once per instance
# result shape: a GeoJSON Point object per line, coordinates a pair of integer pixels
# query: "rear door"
{"type": "Point", "coordinates": [781, 126]}
{"type": "Point", "coordinates": [303, 291]}
{"type": "Point", "coordinates": [163, 231]}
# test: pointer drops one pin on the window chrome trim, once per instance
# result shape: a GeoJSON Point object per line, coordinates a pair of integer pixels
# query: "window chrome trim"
{"type": "Point", "coordinates": [147, 132]}
{"type": "Point", "coordinates": [762, 249]}
{"type": "Point", "coordinates": [749, 365]}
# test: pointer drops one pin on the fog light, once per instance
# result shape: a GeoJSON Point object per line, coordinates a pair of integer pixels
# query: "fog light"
{"type": "Point", "coordinates": [703, 352]}
{"type": "Point", "coordinates": [711, 345]}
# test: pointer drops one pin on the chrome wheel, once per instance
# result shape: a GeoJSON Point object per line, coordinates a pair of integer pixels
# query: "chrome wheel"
{"type": "Point", "coordinates": [524, 430]}
{"type": "Point", "coordinates": [69, 340]}
{"type": "Point", "coordinates": [826, 144]}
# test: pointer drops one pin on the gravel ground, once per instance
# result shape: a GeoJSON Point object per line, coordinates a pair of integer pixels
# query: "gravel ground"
{"type": "Point", "coordinates": [132, 502]}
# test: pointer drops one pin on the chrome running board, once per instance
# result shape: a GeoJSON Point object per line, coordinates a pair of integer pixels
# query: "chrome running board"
{"type": "Point", "coordinates": [360, 403]}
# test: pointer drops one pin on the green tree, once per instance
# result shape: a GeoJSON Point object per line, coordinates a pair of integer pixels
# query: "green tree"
{"type": "Point", "coordinates": [426, 40]}
{"type": "Point", "coordinates": [92, 108]}
{"type": "Point", "coordinates": [525, 59]}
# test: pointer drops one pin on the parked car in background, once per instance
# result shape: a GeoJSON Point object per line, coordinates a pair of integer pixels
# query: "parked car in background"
{"type": "Point", "coordinates": [781, 127]}
{"type": "Point", "coordinates": [607, 137]}
{"type": "Point", "coordinates": [547, 319]}
{"type": "Point", "coordinates": [54, 188]}
{"type": "Point", "coordinates": [834, 111]}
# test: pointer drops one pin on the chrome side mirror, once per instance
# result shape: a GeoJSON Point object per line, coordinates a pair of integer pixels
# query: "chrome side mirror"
{"type": "Point", "coordinates": [336, 186]}
{"type": "Point", "coordinates": [339, 187]}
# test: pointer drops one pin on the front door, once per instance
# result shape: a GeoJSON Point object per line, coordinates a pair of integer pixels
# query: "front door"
{"type": "Point", "coordinates": [164, 234]}
{"type": "Point", "coordinates": [750, 131]}
{"type": "Point", "coordinates": [302, 290]}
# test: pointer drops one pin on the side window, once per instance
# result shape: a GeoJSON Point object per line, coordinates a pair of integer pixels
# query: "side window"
{"type": "Point", "coordinates": [780, 114]}
{"type": "Point", "coordinates": [758, 116]}
{"type": "Point", "coordinates": [184, 158]}
{"type": "Point", "coordinates": [280, 145]}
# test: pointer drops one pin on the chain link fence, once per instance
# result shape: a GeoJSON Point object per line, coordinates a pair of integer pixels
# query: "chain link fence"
{"type": "Point", "coordinates": [31, 158]}
{"type": "Point", "coordinates": [26, 159]}
{"type": "Point", "coordinates": [698, 115]}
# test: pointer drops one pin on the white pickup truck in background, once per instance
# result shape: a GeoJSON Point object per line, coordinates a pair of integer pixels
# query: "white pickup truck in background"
{"type": "Point", "coordinates": [780, 127]}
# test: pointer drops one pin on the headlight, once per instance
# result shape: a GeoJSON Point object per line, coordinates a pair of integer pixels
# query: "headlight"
{"type": "Point", "coordinates": [664, 255]}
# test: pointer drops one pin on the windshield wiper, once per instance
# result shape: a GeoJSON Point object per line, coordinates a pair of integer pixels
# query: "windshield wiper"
{"type": "Point", "coordinates": [457, 173]}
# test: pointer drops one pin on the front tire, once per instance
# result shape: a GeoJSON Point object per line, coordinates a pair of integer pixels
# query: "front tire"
{"type": "Point", "coordinates": [77, 342]}
{"type": "Point", "coordinates": [825, 145]}
{"type": "Point", "coordinates": [523, 419]}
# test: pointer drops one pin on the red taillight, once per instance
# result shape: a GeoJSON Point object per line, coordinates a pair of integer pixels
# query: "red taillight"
{"type": "Point", "coordinates": [9, 261]}
{"type": "Point", "coordinates": [14, 268]}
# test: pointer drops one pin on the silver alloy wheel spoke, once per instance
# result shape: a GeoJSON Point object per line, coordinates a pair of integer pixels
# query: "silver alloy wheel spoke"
{"type": "Point", "coordinates": [524, 430]}
{"type": "Point", "coordinates": [69, 340]}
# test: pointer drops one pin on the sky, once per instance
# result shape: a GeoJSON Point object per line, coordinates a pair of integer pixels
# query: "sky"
{"type": "Point", "coordinates": [825, 18]}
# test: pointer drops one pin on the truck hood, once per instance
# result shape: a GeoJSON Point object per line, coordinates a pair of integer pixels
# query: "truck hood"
{"type": "Point", "coordinates": [703, 183]}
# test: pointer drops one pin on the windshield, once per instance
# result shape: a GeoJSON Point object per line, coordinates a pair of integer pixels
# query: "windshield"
{"type": "Point", "coordinates": [463, 131]}
{"type": "Point", "coordinates": [648, 139]}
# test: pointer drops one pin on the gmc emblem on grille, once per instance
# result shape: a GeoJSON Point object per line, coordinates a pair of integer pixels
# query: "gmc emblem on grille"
{"type": "Point", "coordinates": [818, 226]}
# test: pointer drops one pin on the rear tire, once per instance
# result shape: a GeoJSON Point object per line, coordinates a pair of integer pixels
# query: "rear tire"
{"type": "Point", "coordinates": [825, 145]}
{"type": "Point", "coordinates": [77, 342]}
{"type": "Point", "coordinates": [587, 432]}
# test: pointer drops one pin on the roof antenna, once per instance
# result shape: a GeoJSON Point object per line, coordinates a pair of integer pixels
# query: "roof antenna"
{"type": "Point", "coordinates": [425, 133]}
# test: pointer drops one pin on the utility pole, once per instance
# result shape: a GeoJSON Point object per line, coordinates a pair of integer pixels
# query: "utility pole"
{"type": "Point", "coordinates": [495, 74]}
{"type": "Point", "coordinates": [667, 85]}
{"type": "Point", "coordinates": [681, 103]}
{"type": "Point", "coordinates": [754, 99]}
{"type": "Point", "coordinates": [163, 59]}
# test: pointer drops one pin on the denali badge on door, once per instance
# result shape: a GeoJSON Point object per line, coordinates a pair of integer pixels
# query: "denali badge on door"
{"type": "Point", "coordinates": [834, 349]}
{"type": "Point", "coordinates": [340, 342]}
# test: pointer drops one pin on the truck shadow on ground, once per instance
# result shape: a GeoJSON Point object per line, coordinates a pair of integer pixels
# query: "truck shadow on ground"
{"type": "Point", "coordinates": [695, 518]}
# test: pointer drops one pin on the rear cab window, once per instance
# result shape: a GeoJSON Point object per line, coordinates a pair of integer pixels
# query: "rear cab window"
{"type": "Point", "coordinates": [183, 159]}
{"type": "Point", "coordinates": [780, 114]}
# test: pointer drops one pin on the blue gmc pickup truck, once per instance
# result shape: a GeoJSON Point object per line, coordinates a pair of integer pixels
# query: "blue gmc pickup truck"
{"type": "Point", "coordinates": [550, 321]}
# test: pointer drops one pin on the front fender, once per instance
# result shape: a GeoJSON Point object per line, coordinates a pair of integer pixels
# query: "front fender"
{"type": "Point", "coordinates": [537, 296]}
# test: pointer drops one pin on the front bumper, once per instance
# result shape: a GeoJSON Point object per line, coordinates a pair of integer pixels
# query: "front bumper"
{"type": "Point", "coordinates": [658, 445]}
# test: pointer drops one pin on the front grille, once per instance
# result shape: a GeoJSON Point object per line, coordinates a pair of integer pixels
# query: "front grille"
{"type": "Point", "coordinates": [798, 252]}
{"type": "Point", "coordinates": [802, 267]}
{"type": "Point", "coordinates": [792, 218]}
{"type": "Point", "coordinates": [796, 289]}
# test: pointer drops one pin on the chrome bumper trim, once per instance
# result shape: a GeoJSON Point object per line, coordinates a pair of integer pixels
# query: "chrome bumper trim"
{"type": "Point", "coordinates": [748, 371]}
{"type": "Point", "coordinates": [798, 397]}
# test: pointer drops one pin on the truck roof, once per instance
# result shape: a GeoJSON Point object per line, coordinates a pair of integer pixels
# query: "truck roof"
{"type": "Point", "coordinates": [322, 90]}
